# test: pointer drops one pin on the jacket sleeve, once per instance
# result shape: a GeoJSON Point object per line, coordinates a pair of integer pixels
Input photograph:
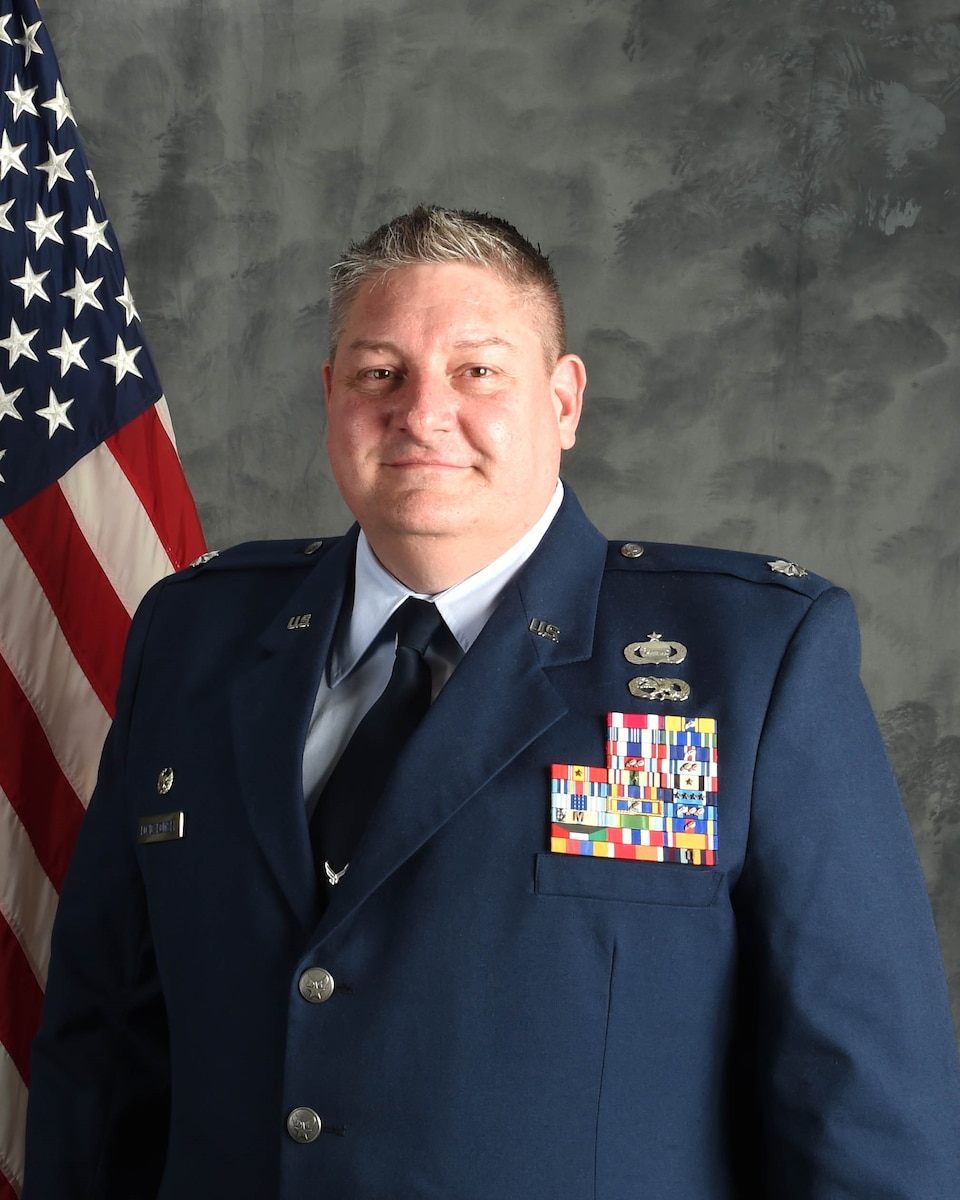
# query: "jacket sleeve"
{"type": "Point", "coordinates": [855, 1057]}
{"type": "Point", "coordinates": [99, 1093]}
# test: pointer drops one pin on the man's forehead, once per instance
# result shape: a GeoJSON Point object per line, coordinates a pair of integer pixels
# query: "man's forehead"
{"type": "Point", "coordinates": [471, 304]}
{"type": "Point", "coordinates": [477, 342]}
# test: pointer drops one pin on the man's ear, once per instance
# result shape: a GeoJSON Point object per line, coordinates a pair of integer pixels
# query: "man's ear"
{"type": "Point", "coordinates": [568, 382]}
{"type": "Point", "coordinates": [327, 378]}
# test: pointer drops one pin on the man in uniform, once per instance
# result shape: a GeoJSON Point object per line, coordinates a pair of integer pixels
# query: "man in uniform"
{"type": "Point", "coordinates": [468, 855]}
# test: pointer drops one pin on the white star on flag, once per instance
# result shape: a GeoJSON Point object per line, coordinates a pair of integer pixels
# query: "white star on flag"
{"type": "Point", "coordinates": [21, 99]}
{"type": "Point", "coordinates": [125, 300]}
{"type": "Point", "coordinates": [4, 220]}
{"type": "Point", "coordinates": [17, 344]}
{"type": "Point", "coordinates": [56, 414]}
{"type": "Point", "coordinates": [29, 40]}
{"type": "Point", "coordinates": [92, 233]}
{"type": "Point", "coordinates": [83, 293]}
{"type": "Point", "coordinates": [61, 106]}
{"type": "Point", "coordinates": [10, 156]}
{"type": "Point", "coordinates": [8, 402]}
{"type": "Point", "coordinates": [68, 353]}
{"type": "Point", "coordinates": [32, 283]}
{"type": "Point", "coordinates": [122, 360]}
{"type": "Point", "coordinates": [44, 227]}
{"type": "Point", "coordinates": [4, 36]}
{"type": "Point", "coordinates": [55, 167]}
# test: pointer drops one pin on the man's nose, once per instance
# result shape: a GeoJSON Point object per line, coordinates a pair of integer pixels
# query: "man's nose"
{"type": "Point", "coordinates": [427, 404]}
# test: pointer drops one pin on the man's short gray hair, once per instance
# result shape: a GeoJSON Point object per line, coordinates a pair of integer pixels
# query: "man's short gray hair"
{"type": "Point", "coordinates": [430, 234]}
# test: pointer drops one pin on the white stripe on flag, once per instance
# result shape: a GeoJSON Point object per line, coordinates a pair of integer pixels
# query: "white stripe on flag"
{"type": "Point", "coordinates": [112, 519]}
{"type": "Point", "coordinates": [41, 661]}
{"type": "Point", "coordinates": [13, 1120]}
{"type": "Point", "coordinates": [28, 899]}
{"type": "Point", "coordinates": [163, 412]}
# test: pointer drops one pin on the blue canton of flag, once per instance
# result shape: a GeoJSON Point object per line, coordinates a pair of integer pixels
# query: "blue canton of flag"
{"type": "Point", "coordinates": [73, 364]}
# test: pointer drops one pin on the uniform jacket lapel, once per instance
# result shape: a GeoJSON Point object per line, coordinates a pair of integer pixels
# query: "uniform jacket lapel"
{"type": "Point", "coordinates": [271, 704]}
{"type": "Point", "coordinates": [497, 702]}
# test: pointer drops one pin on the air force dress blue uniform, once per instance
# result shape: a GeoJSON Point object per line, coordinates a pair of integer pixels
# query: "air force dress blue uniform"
{"type": "Point", "coordinates": [474, 1015]}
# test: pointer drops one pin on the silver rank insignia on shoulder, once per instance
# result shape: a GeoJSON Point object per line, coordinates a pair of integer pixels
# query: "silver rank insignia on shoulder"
{"type": "Point", "coordinates": [302, 621]}
{"type": "Point", "coordinates": [648, 687]}
{"type": "Point", "coordinates": [655, 651]}
{"type": "Point", "coordinates": [544, 630]}
{"type": "Point", "coordinates": [205, 558]}
{"type": "Point", "coordinates": [782, 567]}
{"type": "Point", "coordinates": [162, 827]}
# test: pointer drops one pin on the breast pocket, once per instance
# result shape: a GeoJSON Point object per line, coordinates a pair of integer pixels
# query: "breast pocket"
{"type": "Point", "coordinates": [591, 878]}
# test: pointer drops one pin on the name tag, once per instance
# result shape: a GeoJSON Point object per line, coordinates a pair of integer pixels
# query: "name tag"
{"type": "Point", "coordinates": [164, 827]}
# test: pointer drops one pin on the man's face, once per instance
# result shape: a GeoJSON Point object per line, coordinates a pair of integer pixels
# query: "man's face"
{"type": "Point", "coordinates": [444, 419]}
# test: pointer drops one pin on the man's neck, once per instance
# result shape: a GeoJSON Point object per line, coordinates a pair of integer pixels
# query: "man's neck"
{"type": "Point", "coordinates": [429, 565]}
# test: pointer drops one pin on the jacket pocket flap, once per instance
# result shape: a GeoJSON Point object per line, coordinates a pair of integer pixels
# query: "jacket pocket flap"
{"type": "Point", "coordinates": [634, 882]}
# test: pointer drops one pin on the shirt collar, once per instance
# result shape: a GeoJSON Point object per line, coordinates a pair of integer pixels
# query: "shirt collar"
{"type": "Point", "coordinates": [466, 607]}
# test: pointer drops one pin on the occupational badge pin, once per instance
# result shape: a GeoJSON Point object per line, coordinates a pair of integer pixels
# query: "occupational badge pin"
{"type": "Point", "coordinates": [655, 652]}
{"type": "Point", "coordinates": [165, 780]}
{"type": "Point", "coordinates": [782, 567]}
{"type": "Point", "coordinates": [670, 691]}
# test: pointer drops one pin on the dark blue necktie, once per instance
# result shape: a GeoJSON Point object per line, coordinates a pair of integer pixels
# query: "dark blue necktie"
{"type": "Point", "coordinates": [362, 771]}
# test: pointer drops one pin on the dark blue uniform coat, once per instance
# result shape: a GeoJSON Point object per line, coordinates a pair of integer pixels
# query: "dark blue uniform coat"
{"type": "Point", "coordinates": [506, 1023]}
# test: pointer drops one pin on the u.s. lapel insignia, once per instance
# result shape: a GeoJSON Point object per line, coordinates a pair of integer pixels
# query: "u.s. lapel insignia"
{"type": "Point", "coordinates": [655, 652]}
{"type": "Point", "coordinates": [654, 801]}
{"type": "Point", "coordinates": [301, 621]}
{"type": "Point", "coordinates": [544, 629]}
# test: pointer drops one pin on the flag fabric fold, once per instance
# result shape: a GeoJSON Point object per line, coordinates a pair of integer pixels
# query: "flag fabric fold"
{"type": "Point", "coordinates": [94, 508]}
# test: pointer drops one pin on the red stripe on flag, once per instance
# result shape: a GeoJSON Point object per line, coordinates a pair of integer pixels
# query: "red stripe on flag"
{"type": "Point", "coordinates": [37, 789]}
{"type": "Point", "coordinates": [89, 613]}
{"type": "Point", "coordinates": [7, 1191]}
{"type": "Point", "coordinates": [21, 1020]}
{"type": "Point", "coordinates": [148, 459]}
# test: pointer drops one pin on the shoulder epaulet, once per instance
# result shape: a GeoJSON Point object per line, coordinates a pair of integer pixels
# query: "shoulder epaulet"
{"type": "Point", "coordinates": [292, 553]}
{"type": "Point", "coordinates": [755, 568]}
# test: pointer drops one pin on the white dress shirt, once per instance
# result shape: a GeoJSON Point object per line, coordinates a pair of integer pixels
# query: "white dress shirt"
{"type": "Point", "coordinates": [361, 660]}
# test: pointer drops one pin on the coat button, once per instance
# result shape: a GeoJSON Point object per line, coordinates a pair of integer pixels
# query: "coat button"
{"type": "Point", "coordinates": [316, 985]}
{"type": "Point", "coordinates": [303, 1125]}
{"type": "Point", "coordinates": [313, 547]}
{"type": "Point", "coordinates": [631, 550]}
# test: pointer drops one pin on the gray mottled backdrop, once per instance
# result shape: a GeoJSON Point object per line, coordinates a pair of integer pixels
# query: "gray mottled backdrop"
{"type": "Point", "coordinates": [752, 204]}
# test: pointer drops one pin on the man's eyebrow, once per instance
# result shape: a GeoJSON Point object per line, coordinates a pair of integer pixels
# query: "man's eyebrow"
{"type": "Point", "coordinates": [480, 343]}
{"type": "Point", "coordinates": [372, 344]}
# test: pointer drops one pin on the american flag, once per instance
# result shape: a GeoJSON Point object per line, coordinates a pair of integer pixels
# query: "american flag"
{"type": "Point", "coordinates": [93, 509]}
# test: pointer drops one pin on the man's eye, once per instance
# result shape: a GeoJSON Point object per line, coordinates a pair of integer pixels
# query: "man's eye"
{"type": "Point", "coordinates": [377, 374]}
{"type": "Point", "coordinates": [479, 372]}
